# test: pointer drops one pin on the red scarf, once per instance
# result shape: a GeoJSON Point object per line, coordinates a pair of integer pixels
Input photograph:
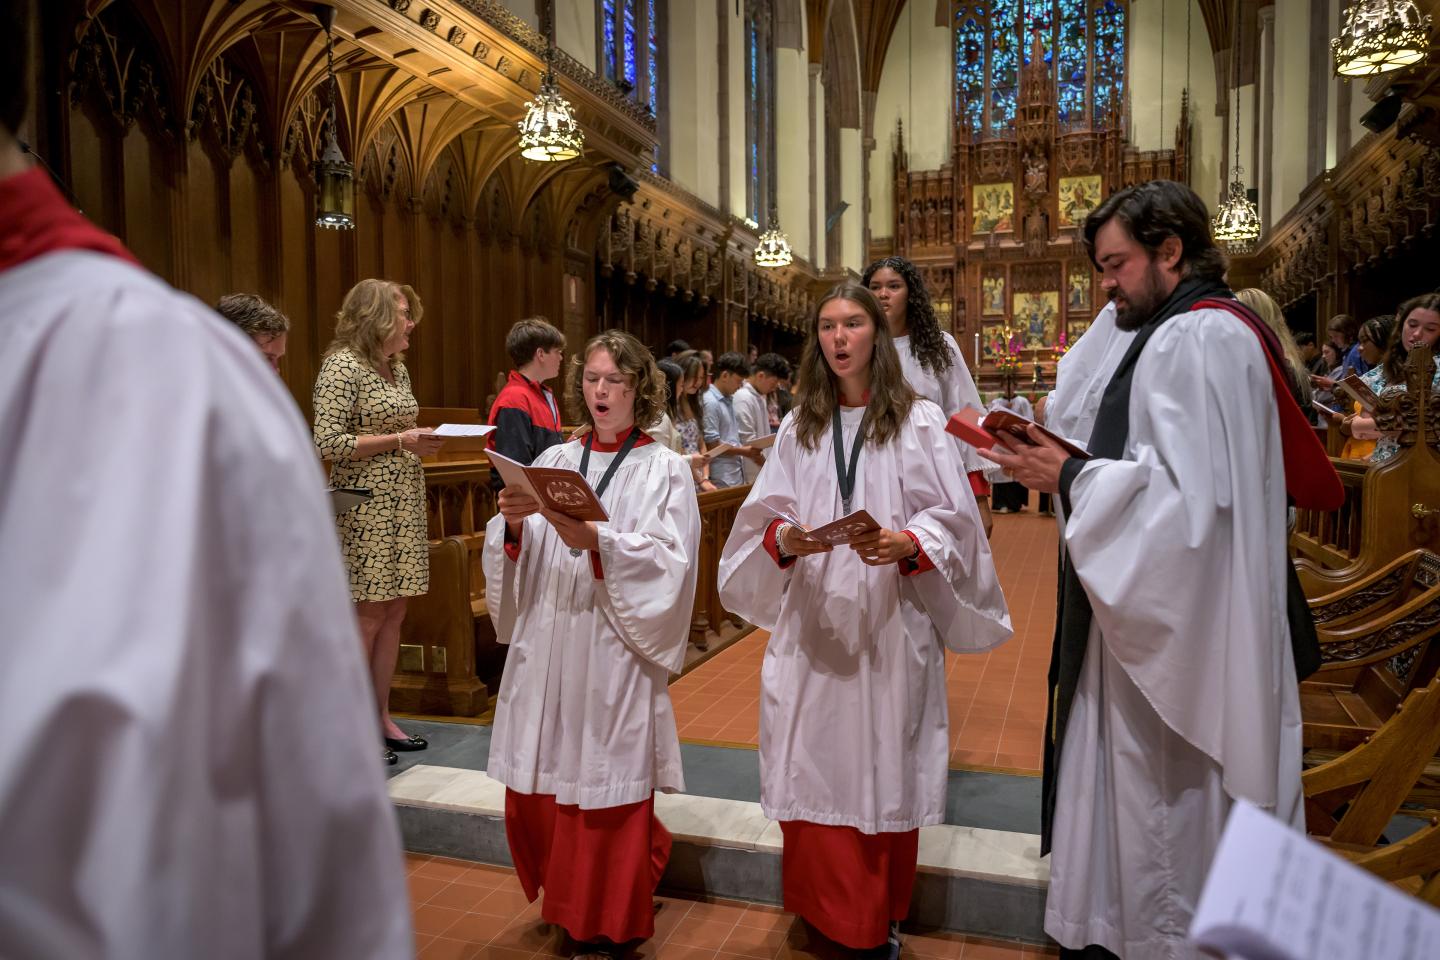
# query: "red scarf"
{"type": "Point", "coordinates": [36, 220]}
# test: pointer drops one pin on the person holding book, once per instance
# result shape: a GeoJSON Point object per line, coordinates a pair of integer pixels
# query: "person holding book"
{"type": "Point", "coordinates": [1418, 324]}
{"type": "Point", "coordinates": [933, 364]}
{"type": "Point", "coordinates": [752, 412]}
{"type": "Point", "coordinates": [1357, 426]}
{"type": "Point", "coordinates": [597, 615]}
{"type": "Point", "coordinates": [854, 744]}
{"type": "Point", "coordinates": [525, 415]}
{"type": "Point", "coordinates": [721, 424]}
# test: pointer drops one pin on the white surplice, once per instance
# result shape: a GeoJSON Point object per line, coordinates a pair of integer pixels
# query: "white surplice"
{"type": "Point", "coordinates": [1082, 375]}
{"type": "Point", "coordinates": [752, 422]}
{"type": "Point", "coordinates": [952, 390]}
{"type": "Point", "coordinates": [1187, 698]}
{"type": "Point", "coordinates": [192, 762]}
{"type": "Point", "coordinates": [584, 711]}
{"type": "Point", "coordinates": [853, 726]}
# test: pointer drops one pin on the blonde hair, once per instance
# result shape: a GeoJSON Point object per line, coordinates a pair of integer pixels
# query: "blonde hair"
{"type": "Point", "coordinates": [634, 360]}
{"type": "Point", "coordinates": [368, 317]}
{"type": "Point", "coordinates": [1269, 311]}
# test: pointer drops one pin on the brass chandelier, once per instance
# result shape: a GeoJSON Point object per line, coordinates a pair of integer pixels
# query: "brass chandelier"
{"type": "Point", "coordinates": [334, 175]}
{"type": "Point", "coordinates": [550, 133]}
{"type": "Point", "coordinates": [1236, 226]}
{"type": "Point", "coordinates": [773, 250]}
{"type": "Point", "coordinates": [1377, 36]}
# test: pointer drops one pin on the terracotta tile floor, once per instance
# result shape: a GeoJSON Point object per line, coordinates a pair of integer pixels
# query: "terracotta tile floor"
{"type": "Point", "coordinates": [997, 699]}
{"type": "Point", "coordinates": [470, 911]}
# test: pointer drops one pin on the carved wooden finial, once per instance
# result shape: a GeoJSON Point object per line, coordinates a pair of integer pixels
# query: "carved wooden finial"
{"type": "Point", "coordinates": [1410, 413]}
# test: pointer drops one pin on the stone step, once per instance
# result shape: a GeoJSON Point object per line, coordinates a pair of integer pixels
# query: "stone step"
{"type": "Point", "coordinates": [970, 880]}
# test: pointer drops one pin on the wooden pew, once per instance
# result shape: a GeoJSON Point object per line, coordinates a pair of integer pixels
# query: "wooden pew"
{"type": "Point", "coordinates": [1396, 507]}
{"type": "Point", "coordinates": [1350, 800]}
{"type": "Point", "coordinates": [1378, 642]}
{"type": "Point", "coordinates": [711, 620]}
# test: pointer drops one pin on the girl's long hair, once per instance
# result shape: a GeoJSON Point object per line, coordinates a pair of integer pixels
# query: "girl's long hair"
{"type": "Point", "coordinates": [1396, 353]}
{"type": "Point", "coordinates": [818, 389]}
{"type": "Point", "coordinates": [690, 366]}
{"type": "Point", "coordinates": [1269, 311]}
{"type": "Point", "coordinates": [927, 341]}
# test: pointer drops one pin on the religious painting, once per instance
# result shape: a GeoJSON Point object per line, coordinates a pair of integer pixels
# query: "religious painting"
{"type": "Point", "coordinates": [992, 296]}
{"type": "Point", "coordinates": [1074, 329]}
{"type": "Point", "coordinates": [994, 207]}
{"type": "Point", "coordinates": [1036, 317]}
{"type": "Point", "coordinates": [1077, 295]}
{"type": "Point", "coordinates": [993, 342]}
{"type": "Point", "coordinates": [1079, 196]}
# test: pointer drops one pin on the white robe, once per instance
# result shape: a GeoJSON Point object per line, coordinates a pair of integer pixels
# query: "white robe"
{"type": "Point", "coordinates": [952, 391]}
{"type": "Point", "coordinates": [584, 712]}
{"type": "Point", "coordinates": [1187, 698]}
{"type": "Point", "coordinates": [192, 762]}
{"type": "Point", "coordinates": [752, 421]}
{"type": "Point", "coordinates": [1082, 375]}
{"type": "Point", "coordinates": [853, 727]}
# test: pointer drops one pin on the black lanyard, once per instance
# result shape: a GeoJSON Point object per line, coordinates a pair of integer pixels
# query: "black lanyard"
{"type": "Point", "coordinates": [847, 478]}
{"type": "Point", "coordinates": [625, 448]}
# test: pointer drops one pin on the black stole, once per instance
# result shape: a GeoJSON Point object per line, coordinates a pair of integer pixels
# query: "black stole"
{"type": "Point", "coordinates": [1073, 611]}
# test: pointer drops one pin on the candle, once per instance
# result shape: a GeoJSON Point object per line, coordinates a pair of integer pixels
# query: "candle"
{"type": "Point", "coordinates": [977, 351]}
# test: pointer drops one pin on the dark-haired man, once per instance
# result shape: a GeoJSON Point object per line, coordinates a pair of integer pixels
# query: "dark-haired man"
{"type": "Point", "coordinates": [190, 766]}
{"type": "Point", "coordinates": [752, 410]}
{"type": "Point", "coordinates": [721, 425]}
{"type": "Point", "coordinates": [525, 415]}
{"type": "Point", "coordinates": [258, 320]}
{"type": "Point", "coordinates": [1173, 679]}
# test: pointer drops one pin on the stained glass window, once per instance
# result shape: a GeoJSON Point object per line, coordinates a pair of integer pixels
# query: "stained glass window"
{"type": "Point", "coordinates": [607, 42]}
{"type": "Point", "coordinates": [759, 108]}
{"type": "Point", "coordinates": [630, 48]}
{"type": "Point", "coordinates": [629, 42]}
{"type": "Point", "coordinates": [1082, 40]}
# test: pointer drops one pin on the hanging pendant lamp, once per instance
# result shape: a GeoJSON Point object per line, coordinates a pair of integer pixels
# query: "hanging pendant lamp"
{"type": "Point", "coordinates": [1377, 36]}
{"type": "Point", "coordinates": [773, 250]}
{"type": "Point", "coordinates": [550, 133]}
{"type": "Point", "coordinates": [1237, 223]}
{"type": "Point", "coordinates": [334, 175]}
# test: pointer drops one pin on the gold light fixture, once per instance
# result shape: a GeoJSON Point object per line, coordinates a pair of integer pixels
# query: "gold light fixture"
{"type": "Point", "coordinates": [773, 250]}
{"type": "Point", "coordinates": [334, 175]}
{"type": "Point", "coordinates": [550, 133]}
{"type": "Point", "coordinates": [1237, 223]}
{"type": "Point", "coordinates": [1377, 36]}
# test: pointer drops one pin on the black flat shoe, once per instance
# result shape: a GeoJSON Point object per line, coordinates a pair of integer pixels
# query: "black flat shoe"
{"type": "Point", "coordinates": [389, 758]}
{"type": "Point", "coordinates": [407, 745]}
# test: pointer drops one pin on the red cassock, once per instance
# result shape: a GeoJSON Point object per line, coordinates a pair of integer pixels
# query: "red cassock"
{"type": "Point", "coordinates": [849, 885]}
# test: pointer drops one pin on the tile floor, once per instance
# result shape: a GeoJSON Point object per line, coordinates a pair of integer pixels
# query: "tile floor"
{"type": "Point", "coordinates": [997, 699]}
{"type": "Point", "coordinates": [471, 911]}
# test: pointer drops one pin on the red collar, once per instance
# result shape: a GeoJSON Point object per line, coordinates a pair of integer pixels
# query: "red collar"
{"type": "Point", "coordinates": [517, 377]}
{"type": "Point", "coordinates": [600, 446]}
{"type": "Point", "coordinates": [39, 221]}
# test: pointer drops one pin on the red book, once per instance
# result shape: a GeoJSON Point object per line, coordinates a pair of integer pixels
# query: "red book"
{"type": "Point", "coordinates": [1002, 426]}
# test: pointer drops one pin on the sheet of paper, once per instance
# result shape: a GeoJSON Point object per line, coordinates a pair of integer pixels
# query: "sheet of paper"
{"type": "Point", "coordinates": [347, 498]}
{"type": "Point", "coordinates": [463, 429]}
{"type": "Point", "coordinates": [761, 443]}
{"type": "Point", "coordinates": [719, 450]}
{"type": "Point", "coordinates": [1272, 894]}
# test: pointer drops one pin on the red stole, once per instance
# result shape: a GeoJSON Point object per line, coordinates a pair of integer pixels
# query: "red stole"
{"type": "Point", "coordinates": [37, 220]}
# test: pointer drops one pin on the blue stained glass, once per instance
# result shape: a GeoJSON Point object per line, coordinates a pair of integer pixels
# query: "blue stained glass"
{"type": "Point", "coordinates": [607, 16]}
{"type": "Point", "coordinates": [970, 66]}
{"type": "Point", "coordinates": [1071, 63]}
{"type": "Point", "coordinates": [629, 27]}
{"type": "Point", "coordinates": [1109, 58]}
{"type": "Point", "coordinates": [652, 64]}
{"type": "Point", "coordinates": [1039, 15]}
{"type": "Point", "coordinates": [1004, 66]}
{"type": "Point", "coordinates": [755, 125]}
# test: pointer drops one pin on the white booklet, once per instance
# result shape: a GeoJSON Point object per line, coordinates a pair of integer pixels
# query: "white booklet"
{"type": "Point", "coordinates": [463, 430]}
{"type": "Point", "coordinates": [1273, 894]}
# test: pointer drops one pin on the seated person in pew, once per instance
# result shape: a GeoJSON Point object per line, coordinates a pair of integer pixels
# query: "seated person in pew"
{"type": "Point", "coordinates": [1419, 324]}
{"type": "Point", "coordinates": [1357, 426]}
{"type": "Point", "coordinates": [854, 744]}
{"type": "Point", "coordinates": [259, 321]}
{"type": "Point", "coordinates": [597, 616]}
{"type": "Point", "coordinates": [525, 415]}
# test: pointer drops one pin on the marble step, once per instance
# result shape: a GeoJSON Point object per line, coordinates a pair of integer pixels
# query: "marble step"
{"type": "Point", "coordinates": [971, 880]}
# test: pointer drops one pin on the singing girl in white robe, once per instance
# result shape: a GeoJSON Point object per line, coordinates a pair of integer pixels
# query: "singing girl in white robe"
{"type": "Point", "coordinates": [597, 616]}
{"type": "Point", "coordinates": [854, 740]}
{"type": "Point", "coordinates": [929, 357]}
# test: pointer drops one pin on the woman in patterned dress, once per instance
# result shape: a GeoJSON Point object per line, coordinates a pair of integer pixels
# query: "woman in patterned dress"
{"type": "Point", "coordinates": [365, 426]}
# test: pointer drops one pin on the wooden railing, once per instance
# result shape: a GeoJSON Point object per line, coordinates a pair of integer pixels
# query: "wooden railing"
{"type": "Point", "coordinates": [1331, 539]}
{"type": "Point", "coordinates": [450, 662]}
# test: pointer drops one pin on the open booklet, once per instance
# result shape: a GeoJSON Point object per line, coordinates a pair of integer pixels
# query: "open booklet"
{"type": "Point", "coordinates": [1272, 894]}
{"type": "Point", "coordinates": [1359, 391]}
{"type": "Point", "coordinates": [556, 488]}
{"type": "Point", "coordinates": [847, 529]}
{"type": "Point", "coordinates": [983, 431]}
{"type": "Point", "coordinates": [463, 430]}
{"type": "Point", "coordinates": [720, 449]}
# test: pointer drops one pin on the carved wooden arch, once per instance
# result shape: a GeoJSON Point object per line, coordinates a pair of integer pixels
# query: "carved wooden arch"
{"type": "Point", "coordinates": [373, 92]}
{"type": "Point", "coordinates": [840, 69]}
{"type": "Point", "coordinates": [428, 124]}
{"type": "Point", "coordinates": [445, 194]}
{"type": "Point", "coordinates": [493, 211]}
{"type": "Point", "coordinates": [590, 202]}
{"type": "Point", "coordinates": [385, 169]}
{"type": "Point", "coordinates": [119, 66]}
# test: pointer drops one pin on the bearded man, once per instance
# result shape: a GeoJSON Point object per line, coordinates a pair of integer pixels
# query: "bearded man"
{"type": "Point", "coordinates": [1181, 630]}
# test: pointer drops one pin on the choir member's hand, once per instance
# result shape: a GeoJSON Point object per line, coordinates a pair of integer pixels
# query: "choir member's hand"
{"type": "Point", "coordinates": [707, 487]}
{"type": "Point", "coordinates": [1324, 383]}
{"type": "Point", "coordinates": [796, 544]}
{"type": "Point", "coordinates": [1040, 411]}
{"type": "Point", "coordinates": [421, 441]}
{"type": "Point", "coordinates": [576, 534]}
{"type": "Point", "coordinates": [1035, 465]}
{"type": "Point", "coordinates": [750, 453]}
{"type": "Point", "coordinates": [1362, 427]}
{"type": "Point", "coordinates": [987, 520]}
{"type": "Point", "coordinates": [515, 506]}
{"type": "Point", "coordinates": [883, 546]}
